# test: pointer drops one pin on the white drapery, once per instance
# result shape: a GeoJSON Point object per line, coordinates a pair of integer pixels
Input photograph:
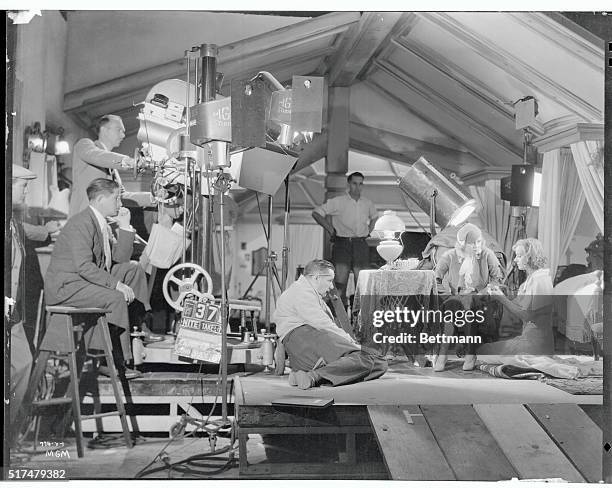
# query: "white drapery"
{"type": "Point", "coordinates": [496, 215]}
{"type": "Point", "coordinates": [305, 244]}
{"type": "Point", "coordinates": [588, 157]}
{"type": "Point", "coordinates": [561, 202]}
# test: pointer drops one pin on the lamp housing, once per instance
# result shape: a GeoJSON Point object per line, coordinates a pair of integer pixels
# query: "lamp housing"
{"type": "Point", "coordinates": [424, 184]}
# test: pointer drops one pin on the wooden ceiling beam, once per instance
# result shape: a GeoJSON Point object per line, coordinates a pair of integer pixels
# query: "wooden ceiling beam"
{"type": "Point", "coordinates": [422, 103]}
{"type": "Point", "coordinates": [406, 149]}
{"type": "Point", "coordinates": [426, 116]}
{"type": "Point", "coordinates": [450, 107]}
{"type": "Point", "coordinates": [515, 67]}
{"type": "Point", "coordinates": [260, 45]}
{"type": "Point", "coordinates": [462, 78]}
{"type": "Point", "coordinates": [360, 42]}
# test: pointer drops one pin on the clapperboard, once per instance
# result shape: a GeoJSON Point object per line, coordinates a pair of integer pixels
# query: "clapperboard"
{"type": "Point", "coordinates": [199, 333]}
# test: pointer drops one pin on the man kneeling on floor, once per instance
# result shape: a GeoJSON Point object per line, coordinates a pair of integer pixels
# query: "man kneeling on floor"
{"type": "Point", "coordinates": [319, 351]}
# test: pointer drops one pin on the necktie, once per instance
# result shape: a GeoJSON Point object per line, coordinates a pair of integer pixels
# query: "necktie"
{"type": "Point", "coordinates": [106, 236]}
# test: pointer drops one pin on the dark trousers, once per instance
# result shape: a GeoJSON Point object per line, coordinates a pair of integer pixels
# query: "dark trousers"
{"type": "Point", "coordinates": [346, 363]}
{"type": "Point", "coordinates": [93, 295]}
{"type": "Point", "coordinates": [349, 254]}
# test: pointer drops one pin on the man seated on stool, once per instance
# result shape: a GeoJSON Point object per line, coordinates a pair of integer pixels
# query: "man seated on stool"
{"type": "Point", "coordinates": [90, 267]}
{"type": "Point", "coordinates": [319, 351]}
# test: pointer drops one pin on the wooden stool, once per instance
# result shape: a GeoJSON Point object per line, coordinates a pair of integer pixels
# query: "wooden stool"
{"type": "Point", "coordinates": [72, 394]}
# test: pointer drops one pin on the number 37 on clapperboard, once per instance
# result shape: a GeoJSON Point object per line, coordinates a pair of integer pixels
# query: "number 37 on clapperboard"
{"type": "Point", "coordinates": [199, 334]}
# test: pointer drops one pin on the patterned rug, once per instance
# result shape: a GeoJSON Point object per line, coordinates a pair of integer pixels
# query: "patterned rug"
{"type": "Point", "coordinates": [591, 385]}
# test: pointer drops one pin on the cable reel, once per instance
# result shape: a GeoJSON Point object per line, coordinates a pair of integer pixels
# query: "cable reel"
{"type": "Point", "coordinates": [189, 278]}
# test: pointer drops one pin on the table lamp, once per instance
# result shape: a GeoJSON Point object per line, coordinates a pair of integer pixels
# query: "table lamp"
{"type": "Point", "coordinates": [388, 228]}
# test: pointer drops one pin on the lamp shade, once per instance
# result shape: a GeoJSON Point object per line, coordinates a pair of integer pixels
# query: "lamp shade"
{"type": "Point", "coordinates": [452, 206]}
{"type": "Point", "coordinates": [388, 226]}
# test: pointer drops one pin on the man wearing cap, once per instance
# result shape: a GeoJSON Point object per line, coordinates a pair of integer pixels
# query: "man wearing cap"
{"type": "Point", "coordinates": [467, 269]}
{"type": "Point", "coordinates": [352, 219]}
{"type": "Point", "coordinates": [21, 356]}
{"type": "Point", "coordinates": [93, 160]}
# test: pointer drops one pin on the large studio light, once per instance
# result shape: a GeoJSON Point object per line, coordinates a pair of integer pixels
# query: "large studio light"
{"type": "Point", "coordinates": [445, 203]}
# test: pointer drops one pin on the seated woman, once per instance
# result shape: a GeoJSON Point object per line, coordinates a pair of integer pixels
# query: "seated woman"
{"type": "Point", "coordinates": [467, 269]}
{"type": "Point", "coordinates": [533, 305]}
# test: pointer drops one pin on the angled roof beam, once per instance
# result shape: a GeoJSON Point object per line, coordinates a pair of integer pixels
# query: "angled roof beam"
{"type": "Point", "coordinates": [360, 42]}
{"type": "Point", "coordinates": [515, 67]}
{"type": "Point", "coordinates": [450, 107]}
{"type": "Point", "coordinates": [554, 26]}
{"type": "Point", "coordinates": [462, 78]}
{"type": "Point", "coordinates": [471, 141]}
{"type": "Point", "coordinates": [264, 44]}
{"type": "Point", "coordinates": [406, 149]}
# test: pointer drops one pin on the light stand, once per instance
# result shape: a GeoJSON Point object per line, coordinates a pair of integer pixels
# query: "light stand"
{"type": "Point", "coordinates": [432, 212]}
{"type": "Point", "coordinates": [222, 185]}
{"type": "Point", "coordinates": [285, 254]}
{"type": "Point", "coordinates": [271, 270]}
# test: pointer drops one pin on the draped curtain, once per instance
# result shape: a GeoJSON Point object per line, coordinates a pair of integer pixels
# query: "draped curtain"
{"type": "Point", "coordinates": [561, 202]}
{"type": "Point", "coordinates": [496, 215]}
{"type": "Point", "coordinates": [305, 244]}
{"type": "Point", "coordinates": [588, 158]}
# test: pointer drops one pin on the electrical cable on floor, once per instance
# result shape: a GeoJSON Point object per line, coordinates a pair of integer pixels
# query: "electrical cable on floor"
{"type": "Point", "coordinates": [177, 466]}
{"type": "Point", "coordinates": [160, 455]}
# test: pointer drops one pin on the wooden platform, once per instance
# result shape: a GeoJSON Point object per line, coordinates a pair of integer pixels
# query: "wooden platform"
{"type": "Point", "coordinates": [455, 426]}
{"type": "Point", "coordinates": [156, 401]}
{"type": "Point", "coordinates": [411, 424]}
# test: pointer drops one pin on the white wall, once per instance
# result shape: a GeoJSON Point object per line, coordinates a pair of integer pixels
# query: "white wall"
{"type": "Point", "coordinates": [39, 71]}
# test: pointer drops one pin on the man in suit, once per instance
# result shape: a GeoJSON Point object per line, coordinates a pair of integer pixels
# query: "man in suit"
{"type": "Point", "coordinates": [90, 267]}
{"type": "Point", "coordinates": [93, 160]}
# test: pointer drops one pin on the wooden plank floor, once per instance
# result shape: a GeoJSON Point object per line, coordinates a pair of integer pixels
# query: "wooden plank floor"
{"type": "Point", "coordinates": [418, 388]}
{"type": "Point", "coordinates": [488, 442]}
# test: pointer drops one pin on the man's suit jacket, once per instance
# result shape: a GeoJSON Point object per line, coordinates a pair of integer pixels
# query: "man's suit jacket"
{"type": "Point", "coordinates": [78, 258]}
{"type": "Point", "coordinates": [89, 161]}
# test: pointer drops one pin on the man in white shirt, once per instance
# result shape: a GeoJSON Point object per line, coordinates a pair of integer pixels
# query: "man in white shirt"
{"type": "Point", "coordinates": [353, 218]}
{"type": "Point", "coordinates": [90, 267]}
{"type": "Point", "coordinates": [319, 351]}
{"type": "Point", "coordinates": [93, 160]}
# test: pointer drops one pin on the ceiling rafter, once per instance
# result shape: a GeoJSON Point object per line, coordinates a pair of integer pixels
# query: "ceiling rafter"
{"type": "Point", "coordinates": [472, 139]}
{"type": "Point", "coordinates": [450, 107]}
{"type": "Point", "coordinates": [402, 29]}
{"type": "Point", "coordinates": [572, 43]}
{"type": "Point", "coordinates": [468, 82]}
{"type": "Point", "coordinates": [241, 52]}
{"type": "Point", "coordinates": [450, 134]}
{"type": "Point", "coordinates": [514, 66]}
{"type": "Point", "coordinates": [360, 42]}
{"type": "Point", "coordinates": [408, 150]}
